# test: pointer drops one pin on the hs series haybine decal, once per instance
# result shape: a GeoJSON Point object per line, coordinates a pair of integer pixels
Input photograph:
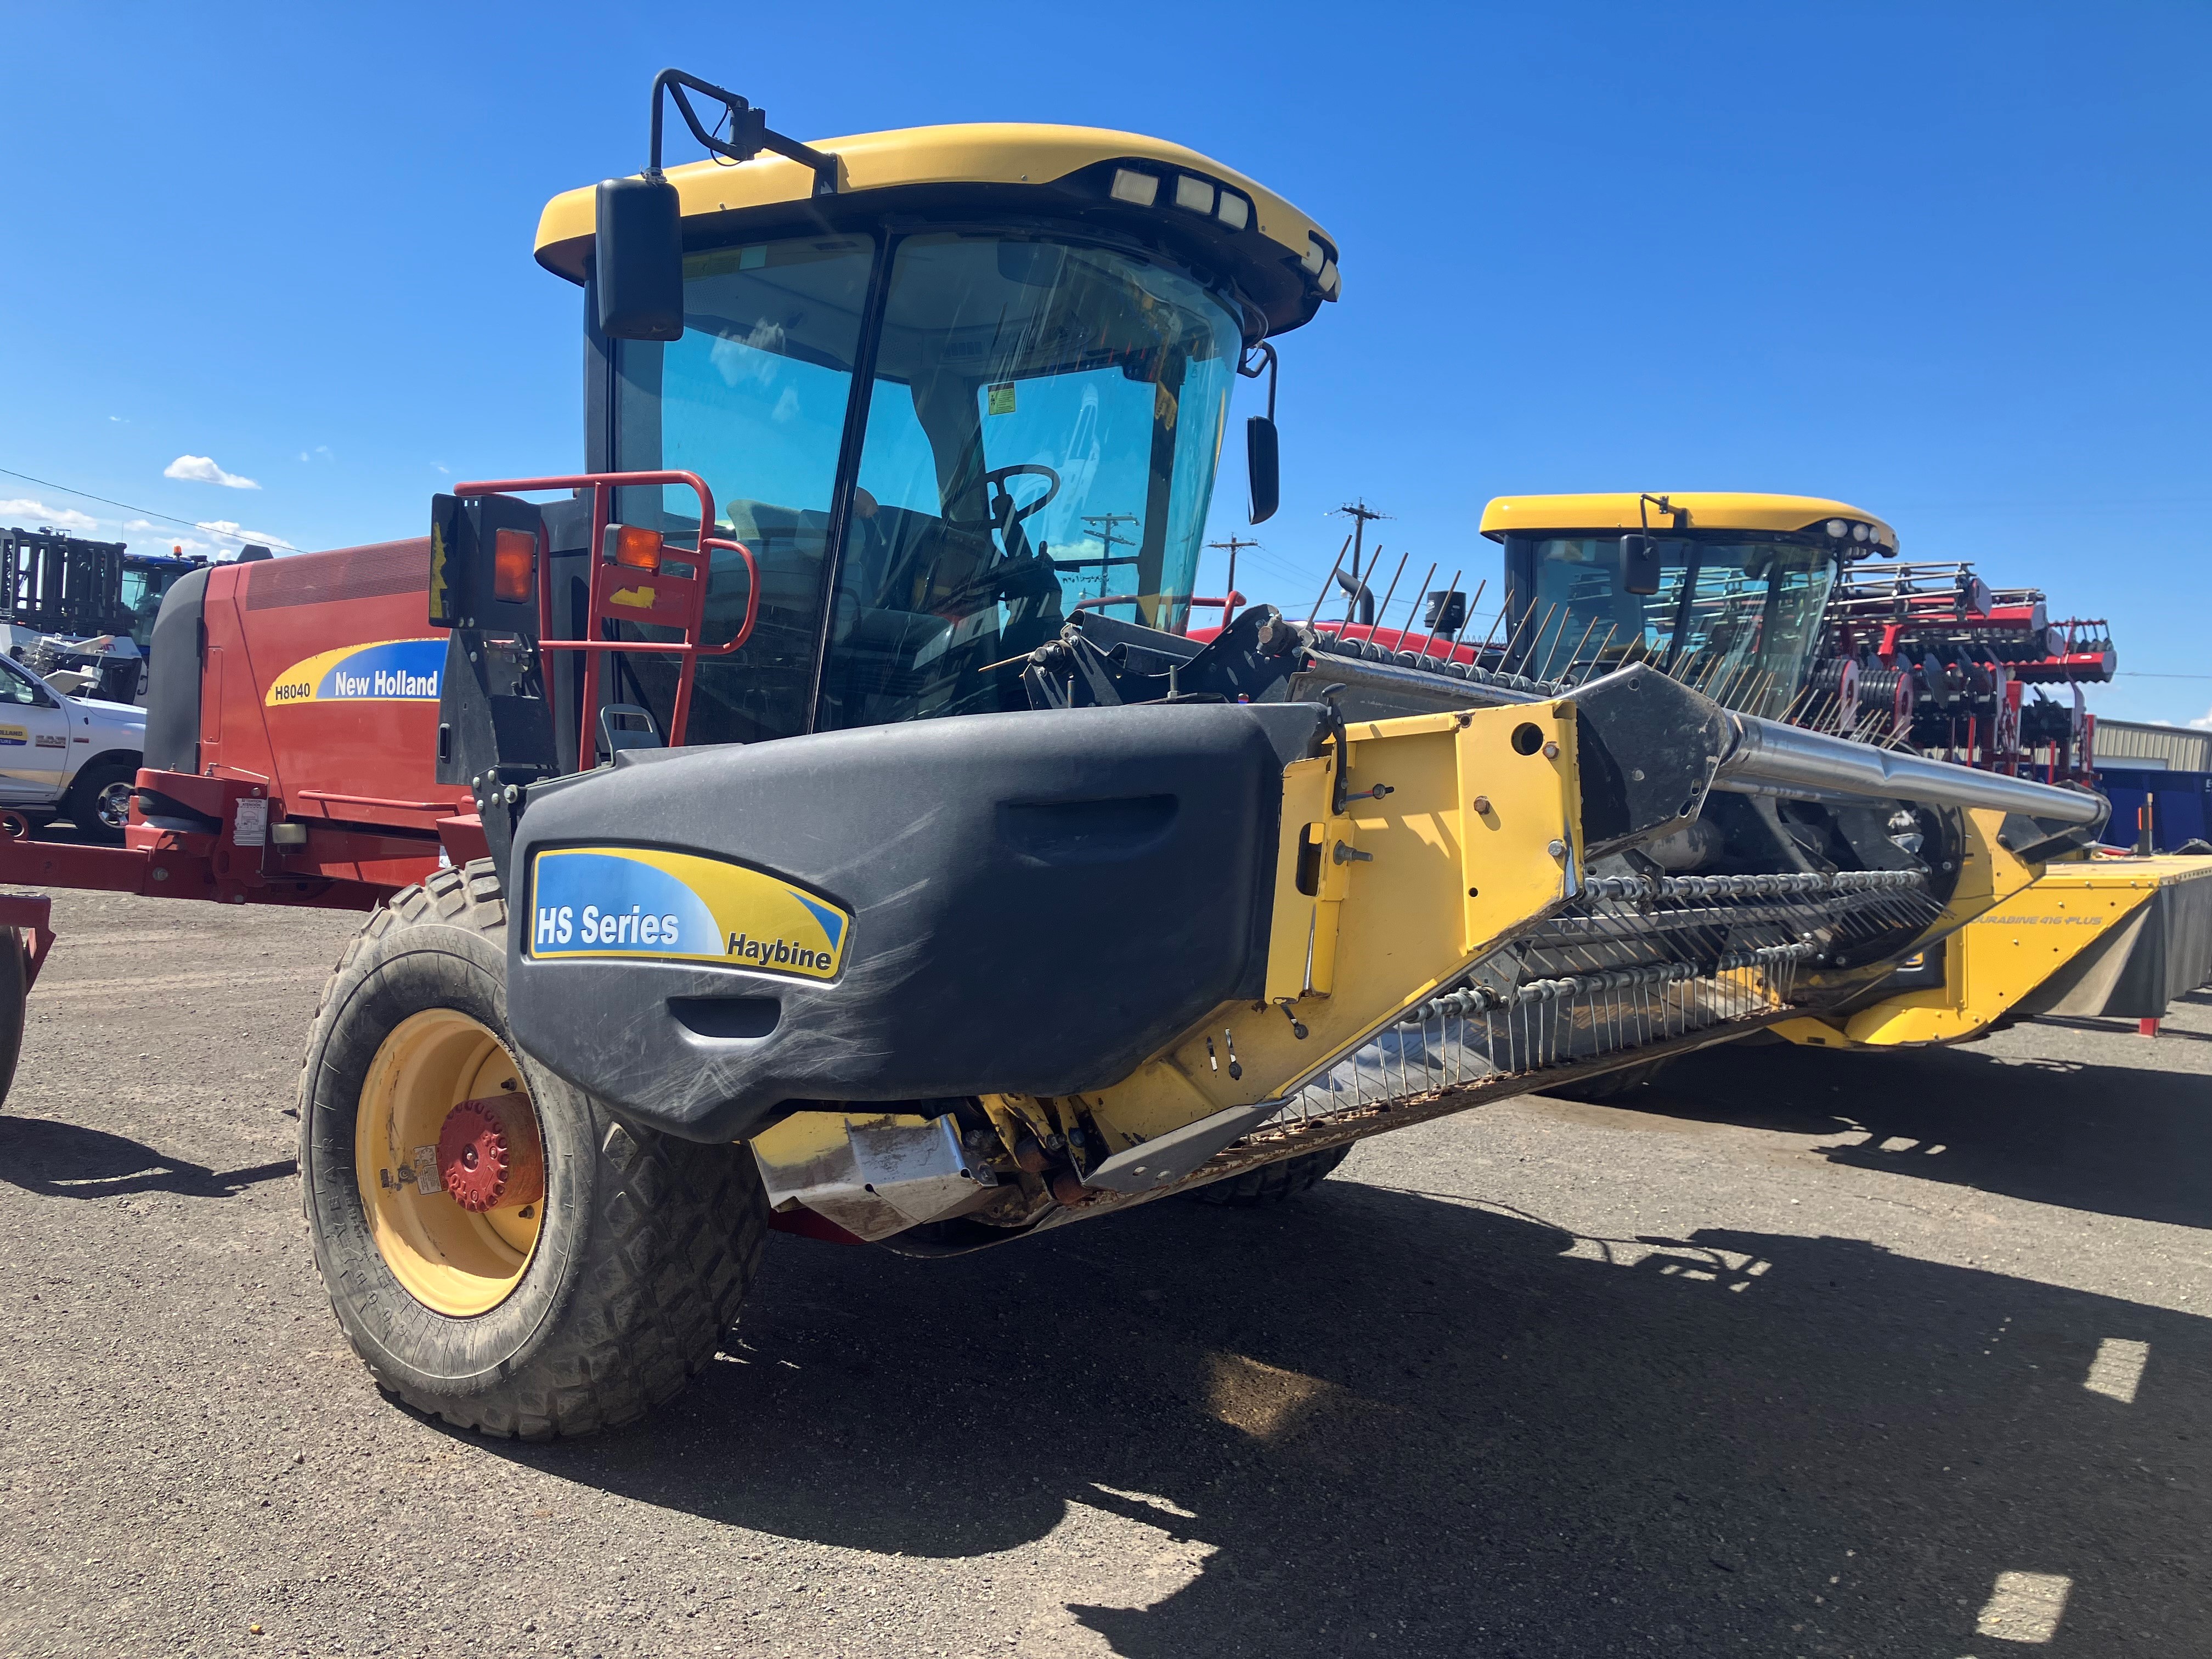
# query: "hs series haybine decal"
{"type": "Point", "coordinates": [600, 902]}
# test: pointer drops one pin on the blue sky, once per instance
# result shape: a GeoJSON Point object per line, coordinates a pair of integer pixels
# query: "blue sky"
{"type": "Point", "coordinates": [1948, 263]}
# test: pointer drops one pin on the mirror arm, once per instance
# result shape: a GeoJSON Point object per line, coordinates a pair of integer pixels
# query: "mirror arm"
{"type": "Point", "coordinates": [749, 131]}
{"type": "Point", "coordinates": [1257, 360]}
{"type": "Point", "coordinates": [1261, 456]}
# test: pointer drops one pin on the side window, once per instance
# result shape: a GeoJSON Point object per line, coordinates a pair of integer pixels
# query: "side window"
{"type": "Point", "coordinates": [752, 399]}
{"type": "Point", "coordinates": [16, 686]}
{"type": "Point", "coordinates": [1583, 614]}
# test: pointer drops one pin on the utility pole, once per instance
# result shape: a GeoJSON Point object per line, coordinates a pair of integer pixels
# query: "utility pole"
{"type": "Point", "coordinates": [1229, 588]}
{"type": "Point", "coordinates": [1362, 515]}
{"type": "Point", "coordinates": [1106, 524]}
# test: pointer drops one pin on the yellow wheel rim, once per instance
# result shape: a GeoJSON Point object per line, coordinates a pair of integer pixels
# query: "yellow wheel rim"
{"type": "Point", "coordinates": [453, 1261]}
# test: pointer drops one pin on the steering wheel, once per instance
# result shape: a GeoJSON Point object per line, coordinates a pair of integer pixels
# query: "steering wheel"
{"type": "Point", "coordinates": [1002, 510]}
{"type": "Point", "coordinates": [1005, 517]}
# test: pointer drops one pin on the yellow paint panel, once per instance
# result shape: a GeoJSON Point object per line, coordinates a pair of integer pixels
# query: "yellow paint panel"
{"type": "Point", "coordinates": [1306, 810]}
{"type": "Point", "coordinates": [1405, 920]}
{"type": "Point", "coordinates": [983, 152]}
{"type": "Point", "coordinates": [1997, 958]}
{"type": "Point", "coordinates": [1517, 805]}
{"type": "Point", "coordinates": [1530, 515]}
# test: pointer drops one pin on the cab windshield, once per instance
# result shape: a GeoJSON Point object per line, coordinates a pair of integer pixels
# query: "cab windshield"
{"type": "Point", "coordinates": [142, 590]}
{"type": "Point", "coordinates": [1737, 617]}
{"type": "Point", "coordinates": [1038, 432]}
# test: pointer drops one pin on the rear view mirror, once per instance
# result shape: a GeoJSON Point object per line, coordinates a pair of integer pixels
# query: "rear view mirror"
{"type": "Point", "coordinates": [638, 249]}
{"type": "Point", "coordinates": [1640, 564]}
{"type": "Point", "coordinates": [1031, 265]}
{"type": "Point", "coordinates": [638, 258]}
{"type": "Point", "coordinates": [1262, 467]}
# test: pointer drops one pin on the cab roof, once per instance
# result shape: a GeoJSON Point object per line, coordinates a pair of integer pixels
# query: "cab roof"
{"type": "Point", "coordinates": [1283, 261]}
{"type": "Point", "coordinates": [1532, 515]}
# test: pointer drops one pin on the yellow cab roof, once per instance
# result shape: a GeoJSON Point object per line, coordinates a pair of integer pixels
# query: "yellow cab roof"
{"type": "Point", "coordinates": [1015, 156]}
{"type": "Point", "coordinates": [1530, 515]}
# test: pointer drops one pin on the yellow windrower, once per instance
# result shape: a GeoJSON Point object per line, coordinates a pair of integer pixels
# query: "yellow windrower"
{"type": "Point", "coordinates": [520, 1174]}
{"type": "Point", "coordinates": [2030, 939]}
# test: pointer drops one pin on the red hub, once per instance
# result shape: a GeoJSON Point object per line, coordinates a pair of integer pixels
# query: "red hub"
{"type": "Point", "coordinates": [489, 1154]}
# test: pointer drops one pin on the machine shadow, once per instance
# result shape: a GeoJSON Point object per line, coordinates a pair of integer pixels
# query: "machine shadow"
{"type": "Point", "coordinates": [2110, 1027]}
{"type": "Point", "coordinates": [2109, 1138]}
{"type": "Point", "coordinates": [67, 1160]}
{"type": "Point", "coordinates": [1458, 1431]}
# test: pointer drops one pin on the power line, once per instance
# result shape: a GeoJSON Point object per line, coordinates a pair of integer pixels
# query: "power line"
{"type": "Point", "coordinates": [147, 511]}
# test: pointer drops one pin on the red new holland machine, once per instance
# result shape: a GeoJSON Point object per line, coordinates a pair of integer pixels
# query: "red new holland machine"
{"type": "Point", "coordinates": [288, 754]}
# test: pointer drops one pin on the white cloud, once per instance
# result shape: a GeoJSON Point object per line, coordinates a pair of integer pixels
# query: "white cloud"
{"type": "Point", "coordinates": [202, 469]}
{"type": "Point", "coordinates": [23, 510]}
{"type": "Point", "coordinates": [2205, 724]}
{"type": "Point", "coordinates": [149, 536]}
{"type": "Point", "coordinates": [118, 419]}
{"type": "Point", "coordinates": [230, 527]}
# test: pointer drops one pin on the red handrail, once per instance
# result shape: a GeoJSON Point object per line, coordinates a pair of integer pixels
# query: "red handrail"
{"type": "Point", "coordinates": [1228, 604]}
{"type": "Point", "coordinates": [692, 601]}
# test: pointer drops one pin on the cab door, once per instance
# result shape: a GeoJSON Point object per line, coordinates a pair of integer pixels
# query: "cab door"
{"type": "Point", "coordinates": [34, 736]}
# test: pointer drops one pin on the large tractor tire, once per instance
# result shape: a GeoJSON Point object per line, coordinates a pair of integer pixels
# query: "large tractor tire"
{"type": "Point", "coordinates": [1275, 1183]}
{"type": "Point", "coordinates": [499, 1249]}
{"type": "Point", "coordinates": [14, 1002]}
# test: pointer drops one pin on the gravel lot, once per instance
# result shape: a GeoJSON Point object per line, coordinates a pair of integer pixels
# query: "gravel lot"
{"type": "Point", "coordinates": [1806, 1354]}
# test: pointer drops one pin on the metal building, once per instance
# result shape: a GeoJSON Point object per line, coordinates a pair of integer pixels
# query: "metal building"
{"type": "Point", "coordinates": [2139, 746]}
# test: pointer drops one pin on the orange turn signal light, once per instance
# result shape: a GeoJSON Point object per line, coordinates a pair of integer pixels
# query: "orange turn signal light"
{"type": "Point", "coordinates": [514, 565]}
{"type": "Point", "coordinates": [635, 546]}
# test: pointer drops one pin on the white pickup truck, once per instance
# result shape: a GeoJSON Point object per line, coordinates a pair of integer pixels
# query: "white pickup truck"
{"type": "Point", "coordinates": [61, 757]}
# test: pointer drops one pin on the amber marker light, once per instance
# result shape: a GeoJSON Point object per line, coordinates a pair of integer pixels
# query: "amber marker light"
{"type": "Point", "coordinates": [514, 565]}
{"type": "Point", "coordinates": [633, 546]}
